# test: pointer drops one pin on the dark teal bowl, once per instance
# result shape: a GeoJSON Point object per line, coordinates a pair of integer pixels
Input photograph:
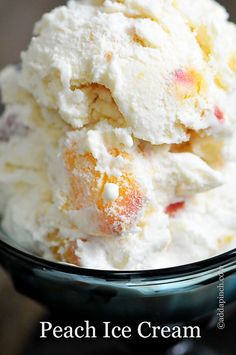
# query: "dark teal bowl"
{"type": "Point", "coordinates": [168, 296]}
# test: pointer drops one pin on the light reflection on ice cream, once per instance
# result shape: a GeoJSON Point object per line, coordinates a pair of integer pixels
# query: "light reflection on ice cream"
{"type": "Point", "coordinates": [116, 139]}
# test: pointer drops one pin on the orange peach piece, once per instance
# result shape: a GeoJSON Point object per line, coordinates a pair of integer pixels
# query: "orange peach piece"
{"type": "Point", "coordinates": [70, 253]}
{"type": "Point", "coordinates": [174, 208]}
{"type": "Point", "coordinates": [225, 241]}
{"type": "Point", "coordinates": [63, 250]}
{"type": "Point", "coordinates": [232, 62]}
{"type": "Point", "coordinates": [219, 114]}
{"type": "Point", "coordinates": [87, 187]}
{"type": "Point", "coordinates": [209, 149]}
{"type": "Point", "coordinates": [188, 83]}
{"type": "Point", "coordinates": [120, 215]}
{"type": "Point", "coordinates": [204, 39]}
{"type": "Point", "coordinates": [85, 181]}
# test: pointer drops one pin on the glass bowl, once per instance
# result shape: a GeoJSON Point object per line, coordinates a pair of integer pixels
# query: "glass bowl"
{"type": "Point", "coordinates": [169, 296]}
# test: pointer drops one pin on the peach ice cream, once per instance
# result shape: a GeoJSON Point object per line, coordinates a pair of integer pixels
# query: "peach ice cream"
{"type": "Point", "coordinates": [118, 135]}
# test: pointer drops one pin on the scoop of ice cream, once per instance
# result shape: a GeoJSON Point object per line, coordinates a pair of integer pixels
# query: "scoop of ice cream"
{"type": "Point", "coordinates": [143, 64]}
{"type": "Point", "coordinates": [116, 131]}
{"type": "Point", "coordinates": [113, 181]}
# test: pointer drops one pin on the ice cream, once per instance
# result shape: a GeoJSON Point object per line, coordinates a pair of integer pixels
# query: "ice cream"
{"type": "Point", "coordinates": [118, 135]}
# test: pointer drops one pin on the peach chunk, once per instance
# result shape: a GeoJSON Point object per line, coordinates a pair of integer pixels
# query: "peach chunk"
{"type": "Point", "coordinates": [210, 149]}
{"type": "Point", "coordinates": [204, 39]}
{"type": "Point", "coordinates": [188, 83]}
{"type": "Point", "coordinates": [63, 250]}
{"type": "Point", "coordinates": [225, 241]}
{"type": "Point", "coordinates": [232, 62]}
{"type": "Point", "coordinates": [87, 186]}
{"type": "Point", "coordinates": [219, 114]}
{"type": "Point", "coordinates": [174, 208]}
{"type": "Point", "coordinates": [120, 215]}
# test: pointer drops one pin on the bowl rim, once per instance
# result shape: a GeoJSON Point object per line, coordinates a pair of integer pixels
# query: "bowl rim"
{"type": "Point", "coordinates": [192, 269]}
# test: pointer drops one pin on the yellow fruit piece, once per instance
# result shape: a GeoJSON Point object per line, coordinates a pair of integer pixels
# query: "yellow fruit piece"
{"type": "Point", "coordinates": [204, 39]}
{"type": "Point", "coordinates": [227, 240]}
{"type": "Point", "coordinates": [232, 62]}
{"type": "Point", "coordinates": [87, 187]}
{"type": "Point", "coordinates": [63, 249]}
{"type": "Point", "coordinates": [188, 83]}
{"type": "Point", "coordinates": [119, 215]}
{"type": "Point", "coordinates": [210, 149]}
{"type": "Point", "coordinates": [220, 82]}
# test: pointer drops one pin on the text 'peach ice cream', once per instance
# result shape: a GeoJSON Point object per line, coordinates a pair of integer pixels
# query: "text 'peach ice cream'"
{"type": "Point", "coordinates": [118, 135]}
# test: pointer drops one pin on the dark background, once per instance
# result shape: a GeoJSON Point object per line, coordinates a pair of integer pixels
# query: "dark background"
{"type": "Point", "coordinates": [19, 315]}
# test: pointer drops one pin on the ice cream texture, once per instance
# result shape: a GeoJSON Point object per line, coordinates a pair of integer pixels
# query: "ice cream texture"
{"type": "Point", "coordinates": [117, 142]}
